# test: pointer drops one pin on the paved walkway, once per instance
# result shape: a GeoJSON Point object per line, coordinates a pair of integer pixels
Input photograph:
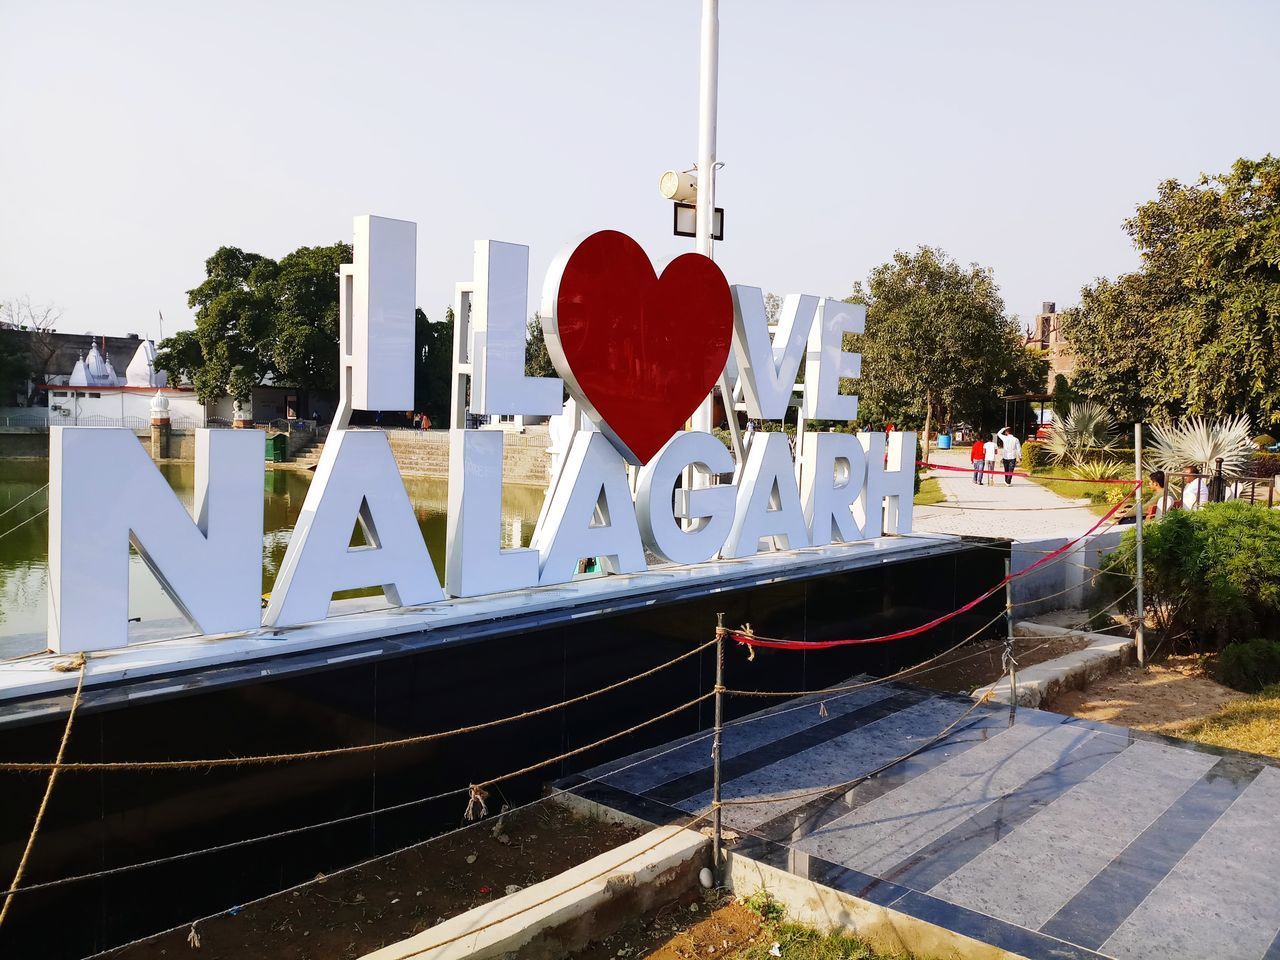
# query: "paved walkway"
{"type": "Point", "coordinates": [1050, 837]}
{"type": "Point", "coordinates": [1023, 510]}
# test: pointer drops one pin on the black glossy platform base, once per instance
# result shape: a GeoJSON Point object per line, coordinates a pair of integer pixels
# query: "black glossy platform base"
{"type": "Point", "coordinates": [395, 689]}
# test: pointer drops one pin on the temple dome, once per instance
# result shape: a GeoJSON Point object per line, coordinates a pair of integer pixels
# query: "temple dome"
{"type": "Point", "coordinates": [94, 370]}
{"type": "Point", "coordinates": [142, 371]}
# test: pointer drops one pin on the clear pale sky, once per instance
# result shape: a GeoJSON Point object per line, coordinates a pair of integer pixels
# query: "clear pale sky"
{"type": "Point", "coordinates": [136, 138]}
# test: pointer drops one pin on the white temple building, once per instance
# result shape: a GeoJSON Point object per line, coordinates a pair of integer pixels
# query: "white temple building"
{"type": "Point", "coordinates": [95, 370]}
{"type": "Point", "coordinates": [97, 395]}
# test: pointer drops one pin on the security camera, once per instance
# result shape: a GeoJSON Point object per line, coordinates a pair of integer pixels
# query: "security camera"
{"type": "Point", "coordinates": [681, 187]}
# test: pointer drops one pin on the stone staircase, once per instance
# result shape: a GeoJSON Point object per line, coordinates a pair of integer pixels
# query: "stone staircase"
{"type": "Point", "coordinates": [425, 453]}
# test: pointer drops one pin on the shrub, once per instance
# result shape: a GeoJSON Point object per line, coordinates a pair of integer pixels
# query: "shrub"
{"type": "Point", "coordinates": [1264, 440]}
{"type": "Point", "coordinates": [1264, 465]}
{"type": "Point", "coordinates": [1099, 470]}
{"type": "Point", "coordinates": [1251, 665]}
{"type": "Point", "coordinates": [1033, 456]}
{"type": "Point", "coordinates": [1210, 576]}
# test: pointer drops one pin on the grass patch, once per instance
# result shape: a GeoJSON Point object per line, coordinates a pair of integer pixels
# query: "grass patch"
{"type": "Point", "coordinates": [1252, 725]}
{"type": "Point", "coordinates": [930, 492]}
{"type": "Point", "coordinates": [1052, 478]}
{"type": "Point", "coordinates": [796, 941]}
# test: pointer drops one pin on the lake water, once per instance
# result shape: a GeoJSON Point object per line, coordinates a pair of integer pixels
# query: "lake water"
{"type": "Point", "coordinates": [24, 552]}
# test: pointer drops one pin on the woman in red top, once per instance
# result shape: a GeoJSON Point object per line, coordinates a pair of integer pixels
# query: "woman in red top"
{"type": "Point", "coordinates": [978, 456]}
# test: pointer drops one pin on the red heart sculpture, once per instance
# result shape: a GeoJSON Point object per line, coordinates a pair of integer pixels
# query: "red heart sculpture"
{"type": "Point", "coordinates": [639, 351]}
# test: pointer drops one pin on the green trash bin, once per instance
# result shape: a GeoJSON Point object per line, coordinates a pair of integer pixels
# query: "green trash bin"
{"type": "Point", "coordinates": [278, 448]}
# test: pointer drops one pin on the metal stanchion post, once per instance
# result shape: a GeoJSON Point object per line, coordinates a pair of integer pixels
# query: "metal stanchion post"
{"type": "Point", "coordinates": [716, 852]}
{"type": "Point", "coordinates": [1137, 538]}
{"type": "Point", "coordinates": [1010, 663]}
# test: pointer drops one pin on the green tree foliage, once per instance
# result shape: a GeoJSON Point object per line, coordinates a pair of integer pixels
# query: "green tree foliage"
{"type": "Point", "coordinates": [537, 362]}
{"type": "Point", "coordinates": [1194, 330]}
{"type": "Point", "coordinates": [433, 366]}
{"type": "Point", "coordinates": [15, 365]}
{"type": "Point", "coordinates": [1210, 576]}
{"type": "Point", "coordinates": [938, 347]}
{"type": "Point", "coordinates": [256, 317]}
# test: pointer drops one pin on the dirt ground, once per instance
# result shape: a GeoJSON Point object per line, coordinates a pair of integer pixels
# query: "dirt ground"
{"type": "Point", "coordinates": [683, 930]}
{"type": "Point", "coordinates": [351, 914]}
{"type": "Point", "coordinates": [1171, 694]}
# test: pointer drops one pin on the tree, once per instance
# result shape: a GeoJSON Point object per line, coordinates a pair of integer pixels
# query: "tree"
{"type": "Point", "coordinates": [35, 351]}
{"type": "Point", "coordinates": [15, 365]}
{"type": "Point", "coordinates": [433, 366]}
{"type": "Point", "coordinates": [537, 362]}
{"type": "Point", "coordinates": [1194, 329]}
{"type": "Point", "coordinates": [257, 318]}
{"type": "Point", "coordinates": [938, 345]}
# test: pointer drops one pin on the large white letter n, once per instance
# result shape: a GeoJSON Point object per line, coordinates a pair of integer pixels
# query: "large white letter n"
{"type": "Point", "coordinates": [105, 493]}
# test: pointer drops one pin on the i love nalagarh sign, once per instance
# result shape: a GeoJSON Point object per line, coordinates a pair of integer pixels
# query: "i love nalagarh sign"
{"type": "Point", "coordinates": [638, 351]}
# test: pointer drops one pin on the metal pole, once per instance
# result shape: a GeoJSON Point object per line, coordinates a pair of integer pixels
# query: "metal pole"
{"type": "Point", "coordinates": [708, 73]}
{"type": "Point", "coordinates": [1010, 664]}
{"type": "Point", "coordinates": [715, 750]}
{"type": "Point", "coordinates": [1137, 535]}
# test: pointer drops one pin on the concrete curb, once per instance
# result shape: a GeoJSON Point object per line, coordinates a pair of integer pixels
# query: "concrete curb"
{"type": "Point", "coordinates": [573, 915]}
{"type": "Point", "coordinates": [1042, 682]}
{"type": "Point", "coordinates": [825, 908]}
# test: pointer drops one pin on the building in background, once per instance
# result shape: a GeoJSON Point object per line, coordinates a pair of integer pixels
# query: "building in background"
{"type": "Point", "coordinates": [1046, 335]}
{"type": "Point", "coordinates": [94, 392]}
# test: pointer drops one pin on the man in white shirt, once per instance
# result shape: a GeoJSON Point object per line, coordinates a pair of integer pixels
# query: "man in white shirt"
{"type": "Point", "coordinates": [989, 451]}
{"type": "Point", "coordinates": [1010, 453]}
{"type": "Point", "coordinates": [1195, 489]}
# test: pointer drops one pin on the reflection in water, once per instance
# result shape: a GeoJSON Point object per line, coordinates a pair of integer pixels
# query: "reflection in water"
{"type": "Point", "coordinates": [24, 552]}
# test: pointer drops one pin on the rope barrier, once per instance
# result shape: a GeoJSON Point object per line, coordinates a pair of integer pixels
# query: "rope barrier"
{"type": "Point", "coordinates": [306, 828]}
{"type": "Point", "coordinates": [8, 510]}
{"type": "Point", "coordinates": [19, 526]}
{"type": "Point", "coordinates": [265, 759]}
{"type": "Point", "coordinates": [880, 769]}
{"type": "Point", "coordinates": [745, 636]}
{"type": "Point", "coordinates": [1011, 473]}
{"type": "Point", "coordinates": [963, 508]}
{"type": "Point", "coordinates": [341, 870]}
{"type": "Point", "coordinates": [559, 893]}
{"type": "Point", "coordinates": [868, 683]}
{"type": "Point", "coordinates": [44, 801]}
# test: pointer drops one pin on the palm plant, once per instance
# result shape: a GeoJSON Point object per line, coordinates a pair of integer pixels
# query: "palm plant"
{"type": "Point", "coordinates": [1088, 428]}
{"type": "Point", "coordinates": [1200, 442]}
{"type": "Point", "coordinates": [1099, 470]}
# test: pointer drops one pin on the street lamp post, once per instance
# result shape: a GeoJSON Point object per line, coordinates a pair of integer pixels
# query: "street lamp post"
{"type": "Point", "coordinates": [708, 71]}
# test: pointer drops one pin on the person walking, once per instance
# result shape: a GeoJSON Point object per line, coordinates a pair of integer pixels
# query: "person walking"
{"type": "Point", "coordinates": [978, 457]}
{"type": "Point", "coordinates": [989, 451]}
{"type": "Point", "coordinates": [1010, 453]}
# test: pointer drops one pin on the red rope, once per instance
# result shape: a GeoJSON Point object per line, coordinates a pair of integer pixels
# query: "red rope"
{"type": "Point", "coordinates": [1002, 473]}
{"type": "Point", "coordinates": [753, 641]}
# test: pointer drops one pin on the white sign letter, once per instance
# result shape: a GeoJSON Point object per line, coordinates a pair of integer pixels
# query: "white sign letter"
{"type": "Point", "coordinates": [105, 493]}
{"type": "Point", "coordinates": [827, 362]}
{"type": "Point", "coordinates": [768, 369]}
{"type": "Point", "coordinates": [768, 503]}
{"type": "Point", "coordinates": [376, 326]}
{"type": "Point", "coordinates": [590, 514]}
{"type": "Point", "coordinates": [499, 318]}
{"type": "Point", "coordinates": [834, 472]}
{"type": "Point", "coordinates": [356, 479]}
{"type": "Point", "coordinates": [890, 494]}
{"type": "Point", "coordinates": [711, 508]}
{"type": "Point", "coordinates": [475, 564]}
